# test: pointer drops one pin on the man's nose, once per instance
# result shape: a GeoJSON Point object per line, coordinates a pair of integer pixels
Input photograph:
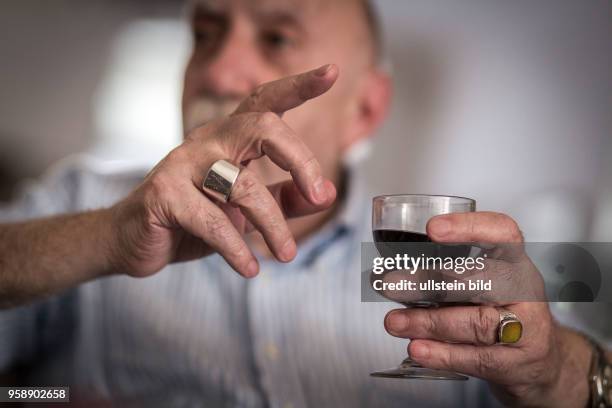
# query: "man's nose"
{"type": "Point", "coordinates": [235, 69]}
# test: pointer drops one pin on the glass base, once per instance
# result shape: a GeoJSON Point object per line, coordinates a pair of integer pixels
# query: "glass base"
{"type": "Point", "coordinates": [410, 369]}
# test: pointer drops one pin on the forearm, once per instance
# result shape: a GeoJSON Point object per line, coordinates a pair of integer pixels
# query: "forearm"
{"type": "Point", "coordinates": [45, 256]}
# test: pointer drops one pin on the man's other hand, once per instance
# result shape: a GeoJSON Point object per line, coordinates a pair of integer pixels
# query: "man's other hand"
{"type": "Point", "coordinates": [547, 367]}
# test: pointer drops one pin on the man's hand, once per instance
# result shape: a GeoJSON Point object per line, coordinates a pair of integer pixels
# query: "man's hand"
{"type": "Point", "coordinates": [168, 217]}
{"type": "Point", "coordinates": [548, 366]}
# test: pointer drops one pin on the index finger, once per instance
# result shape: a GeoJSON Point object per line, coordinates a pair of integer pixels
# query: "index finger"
{"type": "Point", "coordinates": [290, 92]}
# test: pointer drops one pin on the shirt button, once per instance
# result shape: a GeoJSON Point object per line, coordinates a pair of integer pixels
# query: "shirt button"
{"type": "Point", "coordinates": [271, 351]}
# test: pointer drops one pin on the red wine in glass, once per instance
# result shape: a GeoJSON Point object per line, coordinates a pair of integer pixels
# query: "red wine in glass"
{"type": "Point", "coordinates": [402, 218]}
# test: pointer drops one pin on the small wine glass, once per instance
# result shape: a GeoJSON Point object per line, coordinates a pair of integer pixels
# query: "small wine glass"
{"type": "Point", "coordinates": [403, 218]}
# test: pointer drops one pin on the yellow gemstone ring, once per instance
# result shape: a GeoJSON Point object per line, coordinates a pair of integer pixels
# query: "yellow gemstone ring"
{"type": "Point", "coordinates": [510, 328]}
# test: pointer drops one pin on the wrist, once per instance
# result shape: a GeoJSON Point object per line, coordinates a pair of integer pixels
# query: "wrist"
{"type": "Point", "coordinates": [129, 239]}
{"type": "Point", "coordinates": [110, 241]}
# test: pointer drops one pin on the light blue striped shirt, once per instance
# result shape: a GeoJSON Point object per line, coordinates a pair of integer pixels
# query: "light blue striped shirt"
{"type": "Point", "coordinates": [197, 334]}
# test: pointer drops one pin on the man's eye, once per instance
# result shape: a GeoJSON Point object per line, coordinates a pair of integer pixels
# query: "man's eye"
{"type": "Point", "coordinates": [276, 40]}
{"type": "Point", "coordinates": [202, 36]}
{"type": "Point", "coordinates": [206, 36]}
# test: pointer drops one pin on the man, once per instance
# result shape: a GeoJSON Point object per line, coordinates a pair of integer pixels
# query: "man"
{"type": "Point", "coordinates": [195, 333]}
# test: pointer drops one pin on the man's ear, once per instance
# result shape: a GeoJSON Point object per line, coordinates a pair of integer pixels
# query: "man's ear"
{"type": "Point", "coordinates": [370, 108]}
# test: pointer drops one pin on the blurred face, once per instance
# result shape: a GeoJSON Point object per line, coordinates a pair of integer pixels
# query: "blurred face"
{"type": "Point", "coordinates": [240, 44]}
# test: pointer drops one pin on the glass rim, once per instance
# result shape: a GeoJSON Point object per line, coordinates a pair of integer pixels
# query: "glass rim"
{"type": "Point", "coordinates": [439, 196]}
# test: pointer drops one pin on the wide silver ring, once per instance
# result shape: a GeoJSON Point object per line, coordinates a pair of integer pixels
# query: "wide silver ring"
{"type": "Point", "coordinates": [220, 180]}
{"type": "Point", "coordinates": [510, 329]}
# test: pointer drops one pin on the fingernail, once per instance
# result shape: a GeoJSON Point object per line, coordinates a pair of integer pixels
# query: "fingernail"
{"type": "Point", "coordinates": [288, 251]}
{"type": "Point", "coordinates": [319, 190]}
{"type": "Point", "coordinates": [252, 268]}
{"type": "Point", "coordinates": [396, 321]}
{"type": "Point", "coordinates": [419, 351]}
{"type": "Point", "coordinates": [321, 71]}
{"type": "Point", "coordinates": [440, 226]}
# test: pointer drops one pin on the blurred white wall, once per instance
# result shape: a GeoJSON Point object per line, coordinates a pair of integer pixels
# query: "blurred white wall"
{"type": "Point", "coordinates": [506, 102]}
{"type": "Point", "coordinates": [53, 57]}
{"type": "Point", "coordinates": [137, 104]}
